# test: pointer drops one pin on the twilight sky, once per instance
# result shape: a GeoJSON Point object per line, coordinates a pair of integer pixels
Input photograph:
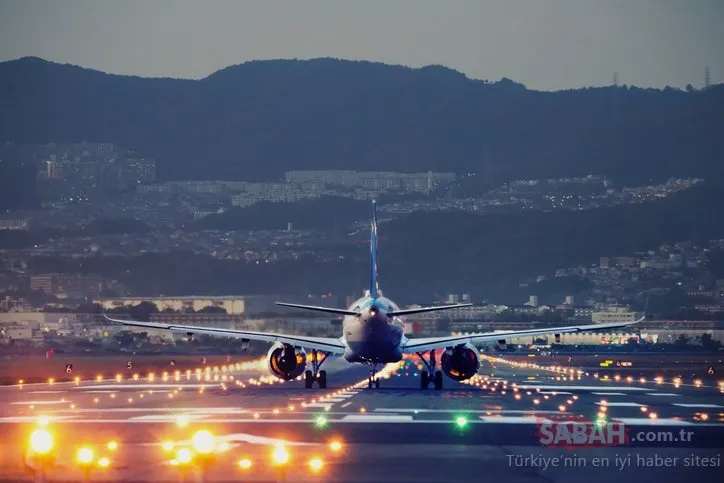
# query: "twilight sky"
{"type": "Point", "coordinates": [545, 44]}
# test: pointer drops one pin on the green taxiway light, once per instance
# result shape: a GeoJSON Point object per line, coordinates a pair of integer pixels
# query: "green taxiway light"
{"type": "Point", "coordinates": [320, 421]}
{"type": "Point", "coordinates": [461, 421]}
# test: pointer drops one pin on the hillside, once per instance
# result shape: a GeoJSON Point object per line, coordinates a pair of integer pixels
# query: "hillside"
{"type": "Point", "coordinates": [256, 120]}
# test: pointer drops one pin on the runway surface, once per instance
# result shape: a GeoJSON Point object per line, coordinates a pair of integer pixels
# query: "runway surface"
{"type": "Point", "coordinates": [489, 427]}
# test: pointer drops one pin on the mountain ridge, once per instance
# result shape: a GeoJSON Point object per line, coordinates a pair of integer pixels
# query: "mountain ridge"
{"type": "Point", "coordinates": [256, 120]}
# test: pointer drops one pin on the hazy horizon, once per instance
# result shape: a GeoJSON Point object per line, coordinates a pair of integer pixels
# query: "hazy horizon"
{"type": "Point", "coordinates": [551, 45]}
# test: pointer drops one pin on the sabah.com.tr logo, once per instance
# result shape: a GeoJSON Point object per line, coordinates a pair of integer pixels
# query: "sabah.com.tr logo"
{"type": "Point", "coordinates": [567, 432]}
{"type": "Point", "coordinates": [556, 431]}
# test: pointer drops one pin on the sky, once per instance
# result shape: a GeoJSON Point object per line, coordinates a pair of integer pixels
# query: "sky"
{"type": "Point", "coordinates": [544, 44]}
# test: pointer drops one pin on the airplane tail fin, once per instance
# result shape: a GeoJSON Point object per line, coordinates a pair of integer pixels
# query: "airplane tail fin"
{"type": "Point", "coordinates": [374, 286]}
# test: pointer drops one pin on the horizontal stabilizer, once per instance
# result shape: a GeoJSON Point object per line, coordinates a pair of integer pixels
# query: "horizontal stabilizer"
{"type": "Point", "coordinates": [315, 308]}
{"type": "Point", "coordinates": [425, 309]}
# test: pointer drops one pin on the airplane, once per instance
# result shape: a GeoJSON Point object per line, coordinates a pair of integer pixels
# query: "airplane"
{"type": "Point", "coordinates": [372, 334]}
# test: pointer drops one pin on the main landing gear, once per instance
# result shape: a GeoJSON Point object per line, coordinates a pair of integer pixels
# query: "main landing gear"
{"type": "Point", "coordinates": [373, 380]}
{"type": "Point", "coordinates": [315, 374]}
{"type": "Point", "coordinates": [431, 375]}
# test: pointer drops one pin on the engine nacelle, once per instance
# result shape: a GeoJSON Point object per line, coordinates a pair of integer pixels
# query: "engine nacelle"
{"type": "Point", "coordinates": [285, 362]}
{"type": "Point", "coordinates": [460, 362]}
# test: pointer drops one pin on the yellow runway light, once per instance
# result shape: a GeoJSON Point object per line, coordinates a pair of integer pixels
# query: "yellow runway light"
{"type": "Point", "coordinates": [184, 456]}
{"type": "Point", "coordinates": [41, 441]}
{"type": "Point", "coordinates": [84, 456]}
{"type": "Point", "coordinates": [203, 442]}
{"type": "Point", "coordinates": [316, 465]}
{"type": "Point", "coordinates": [280, 455]}
{"type": "Point", "coordinates": [335, 446]}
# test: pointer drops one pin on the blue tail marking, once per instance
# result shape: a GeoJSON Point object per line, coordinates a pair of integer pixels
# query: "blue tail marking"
{"type": "Point", "coordinates": [374, 287]}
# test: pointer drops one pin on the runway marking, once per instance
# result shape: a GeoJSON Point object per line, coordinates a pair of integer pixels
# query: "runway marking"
{"type": "Point", "coordinates": [32, 419]}
{"type": "Point", "coordinates": [665, 394]}
{"type": "Point", "coordinates": [47, 392]}
{"type": "Point", "coordinates": [621, 404]}
{"type": "Point", "coordinates": [608, 393]}
{"type": "Point", "coordinates": [150, 386]}
{"type": "Point", "coordinates": [346, 404]}
{"type": "Point", "coordinates": [581, 388]}
{"type": "Point", "coordinates": [655, 422]}
{"type": "Point", "coordinates": [555, 393]}
{"type": "Point", "coordinates": [318, 405]}
{"type": "Point", "coordinates": [698, 405]}
{"type": "Point", "coordinates": [376, 418]}
{"type": "Point", "coordinates": [334, 400]}
{"type": "Point", "coordinates": [165, 418]}
{"type": "Point", "coordinates": [448, 411]}
{"type": "Point", "coordinates": [37, 403]}
{"type": "Point", "coordinates": [511, 419]}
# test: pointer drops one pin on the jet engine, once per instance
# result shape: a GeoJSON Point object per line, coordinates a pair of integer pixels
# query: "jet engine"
{"type": "Point", "coordinates": [285, 362]}
{"type": "Point", "coordinates": [460, 362]}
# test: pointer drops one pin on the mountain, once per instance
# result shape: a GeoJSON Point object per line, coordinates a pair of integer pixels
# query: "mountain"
{"type": "Point", "coordinates": [259, 119]}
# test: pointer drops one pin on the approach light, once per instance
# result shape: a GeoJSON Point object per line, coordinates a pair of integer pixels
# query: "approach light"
{"type": "Point", "coordinates": [41, 441]}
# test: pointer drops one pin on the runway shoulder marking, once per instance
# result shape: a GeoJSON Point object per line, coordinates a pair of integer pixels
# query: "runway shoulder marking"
{"type": "Point", "coordinates": [664, 394]}
{"type": "Point", "coordinates": [377, 418]}
{"type": "Point", "coordinates": [698, 405]}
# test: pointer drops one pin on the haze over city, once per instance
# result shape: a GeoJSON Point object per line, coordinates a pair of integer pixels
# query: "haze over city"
{"type": "Point", "coordinates": [546, 45]}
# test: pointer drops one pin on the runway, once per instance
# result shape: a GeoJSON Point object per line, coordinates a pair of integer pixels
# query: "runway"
{"type": "Point", "coordinates": [488, 427]}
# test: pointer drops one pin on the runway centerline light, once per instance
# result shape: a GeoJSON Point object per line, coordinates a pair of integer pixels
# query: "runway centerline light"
{"type": "Point", "coordinates": [41, 441]}
{"type": "Point", "coordinates": [203, 441]}
{"type": "Point", "coordinates": [84, 456]}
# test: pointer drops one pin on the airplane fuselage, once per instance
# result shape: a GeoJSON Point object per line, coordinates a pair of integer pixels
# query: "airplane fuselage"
{"type": "Point", "coordinates": [373, 337]}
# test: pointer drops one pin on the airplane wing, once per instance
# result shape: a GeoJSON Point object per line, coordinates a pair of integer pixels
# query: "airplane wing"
{"type": "Point", "coordinates": [430, 343]}
{"type": "Point", "coordinates": [420, 310]}
{"type": "Point", "coordinates": [326, 344]}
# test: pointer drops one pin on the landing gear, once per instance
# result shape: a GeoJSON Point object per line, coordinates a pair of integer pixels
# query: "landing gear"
{"type": "Point", "coordinates": [431, 375]}
{"type": "Point", "coordinates": [315, 374]}
{"type": "Point", "coordinates": [373, 380]}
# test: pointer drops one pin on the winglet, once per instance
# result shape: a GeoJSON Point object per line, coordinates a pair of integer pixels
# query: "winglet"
{"type": "Point", "coordinates": [374, 287]}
